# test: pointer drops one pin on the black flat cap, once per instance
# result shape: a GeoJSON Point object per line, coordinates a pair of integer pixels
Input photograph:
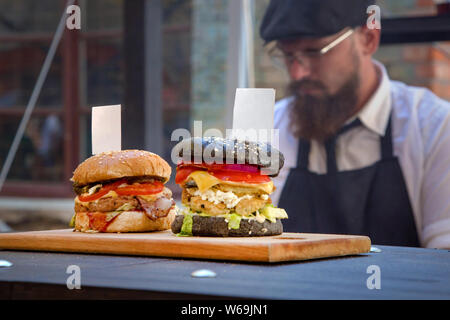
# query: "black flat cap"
{"type": "Point", "coordinates": [290, 19]}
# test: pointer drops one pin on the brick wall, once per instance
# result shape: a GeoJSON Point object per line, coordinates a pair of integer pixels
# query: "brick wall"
{"type": "Point", "coordinates": [425, 65]}
{"type": "Point", "coordinates": [404, 8]}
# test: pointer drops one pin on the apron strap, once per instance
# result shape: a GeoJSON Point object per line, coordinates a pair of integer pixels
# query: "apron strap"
{"type": "Point", "coordinates": [386, 142]}
{"type": "Point", "coordinates": [304, 147]}
{"type": "Point", "coordinates": [330, 145]}
{"type": "Point", "coordinates": [303, 154]}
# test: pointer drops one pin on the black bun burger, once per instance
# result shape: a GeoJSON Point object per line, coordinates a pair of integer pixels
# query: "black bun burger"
{"type": "Point", "coordinates": [228, 193]}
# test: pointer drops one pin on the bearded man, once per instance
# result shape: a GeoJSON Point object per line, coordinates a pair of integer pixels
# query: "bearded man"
{"type": "Point", "coordinates": [364, 154]}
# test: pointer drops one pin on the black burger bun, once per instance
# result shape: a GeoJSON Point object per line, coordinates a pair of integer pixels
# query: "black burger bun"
{"type": "Point", "coordinates": [218, 227]}
{"type": "Point", "coordinates": [261, 154]}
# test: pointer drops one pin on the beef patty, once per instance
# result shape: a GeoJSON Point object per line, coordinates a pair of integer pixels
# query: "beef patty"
{"type": "Point", "coordinates": [108, 204]}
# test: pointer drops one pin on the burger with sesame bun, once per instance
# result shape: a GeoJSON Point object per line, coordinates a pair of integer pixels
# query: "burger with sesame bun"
{"type": "Point", "coordinates": [122, 191]}
{"type": "Point", "coordinates": [229, 193]}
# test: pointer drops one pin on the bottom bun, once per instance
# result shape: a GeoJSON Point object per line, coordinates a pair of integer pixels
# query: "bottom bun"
{"type": "Point", "coordinates": [218, 227]}
{"type": "Point", "coordinates": [128, 221]}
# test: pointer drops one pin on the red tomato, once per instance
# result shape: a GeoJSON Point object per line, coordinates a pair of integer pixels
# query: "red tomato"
{"type": "Point", "coordinates": [141, 189]}
{"type": "Point", "coordinates": [94, 196]}
{"type": "Point", "coordinates": [184, 172]}
{"type": "Point", "coordinates": [235, 176]}
{"type": "Point", "coordinates": [225, 172]}
{"type": "Point", "coordinates": [104, 190]}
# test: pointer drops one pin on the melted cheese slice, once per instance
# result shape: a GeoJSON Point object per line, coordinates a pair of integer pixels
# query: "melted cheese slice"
{"type": "Point", "coordinates": [111, 194]}
{"type": "Point", "coordinates": [205, 181]}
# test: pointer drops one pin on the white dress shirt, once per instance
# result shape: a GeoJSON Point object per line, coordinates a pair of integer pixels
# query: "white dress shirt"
{"type": "Point", "coordinates": [421, 141]}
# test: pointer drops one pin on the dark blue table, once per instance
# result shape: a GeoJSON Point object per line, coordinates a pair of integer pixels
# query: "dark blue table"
{"type": "Point", "coordinates": [404, 273]}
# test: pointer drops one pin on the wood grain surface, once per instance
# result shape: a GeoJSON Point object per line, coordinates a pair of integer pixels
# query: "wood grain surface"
{"type": "Point", "coordinates": [284, 247]}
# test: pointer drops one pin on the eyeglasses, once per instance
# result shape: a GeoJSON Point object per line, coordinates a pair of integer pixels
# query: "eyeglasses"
{"type": "Point", "coordinates": [282, 59]}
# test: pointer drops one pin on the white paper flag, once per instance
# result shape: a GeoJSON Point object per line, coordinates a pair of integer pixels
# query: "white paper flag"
{"type": "Point", "coordinates": [253, 111]}
{"type": "Point", "coordinates": [106, 129]}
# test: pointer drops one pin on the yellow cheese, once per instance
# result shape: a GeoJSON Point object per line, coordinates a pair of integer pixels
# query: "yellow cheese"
{"type": "Point", "coordinates": [205, 181]}
{"type": "Point", "coordinates": [151, 197]}
{"type": "Point", "coordinates": [111, 194]}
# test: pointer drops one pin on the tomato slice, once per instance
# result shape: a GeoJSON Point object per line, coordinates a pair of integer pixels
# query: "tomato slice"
{"type": "Point", "coordinates": [104, 190]}
{"type": "Point", "coordinates": [235, 176]}
{"type": "Point", "coordinates": [94, 196]}
{"type": "Point", "coordinates": [225, 172]}
{"type": "Point", "coordinates": [141, 189]}
{"type": "Point", "coordinates": [184, 172]}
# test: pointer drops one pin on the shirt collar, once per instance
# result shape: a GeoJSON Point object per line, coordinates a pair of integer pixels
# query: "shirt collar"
{"type": "Point", "coordinates": [376, 112]}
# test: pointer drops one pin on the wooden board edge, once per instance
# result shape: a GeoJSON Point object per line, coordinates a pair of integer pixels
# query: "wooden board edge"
{"type": "Point", "coordinates": [334, 246]}
{"type": "Point", "coordinates": [328, 248]}
{"type": "Point", "coordinates": [173, 248]}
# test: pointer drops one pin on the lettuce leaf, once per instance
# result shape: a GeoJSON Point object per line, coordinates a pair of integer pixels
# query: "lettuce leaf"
{"type": "Point", "coordinates": [271, 213]}
{"type": "Point", "coordinates": [72, 221]}
{"type": "Point", "coordinates": [234, 220]}
{"type": "Point", "coordinates": [186, 228]}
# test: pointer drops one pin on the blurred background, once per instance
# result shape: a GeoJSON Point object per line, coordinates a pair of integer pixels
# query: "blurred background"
{"type": "Point", "coordinates": [168, 63]}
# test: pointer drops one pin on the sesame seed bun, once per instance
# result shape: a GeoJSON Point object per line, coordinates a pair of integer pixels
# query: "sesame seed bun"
{"type": "Point", "coordinates": [118, 164]}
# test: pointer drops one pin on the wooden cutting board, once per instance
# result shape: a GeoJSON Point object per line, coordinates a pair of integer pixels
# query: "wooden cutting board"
{"type": "Point", "coordinates": [285, 247]}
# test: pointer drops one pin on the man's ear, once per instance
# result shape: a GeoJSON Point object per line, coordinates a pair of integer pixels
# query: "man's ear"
{"type": "Point", "coordinates": [369, 40]}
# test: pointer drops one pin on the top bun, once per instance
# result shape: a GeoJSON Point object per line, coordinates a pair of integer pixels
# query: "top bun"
{"type": "Point", "coordinates": [230, 151]}
{"type": "Point", "coordinates": [118, 164]}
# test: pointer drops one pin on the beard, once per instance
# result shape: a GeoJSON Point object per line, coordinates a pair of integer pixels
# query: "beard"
{"type": "Point", "coordinates": [316, 117]}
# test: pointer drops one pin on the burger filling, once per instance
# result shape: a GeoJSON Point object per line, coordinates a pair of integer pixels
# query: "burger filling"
{"type": "Point", "coordinates": [104, 201]}
{"type": "Point", "coordinates": [234, 192]}
{"type": "Point", "coordinates": [93, 187]}
{"type": "Point", "coordinates": [219, 201]}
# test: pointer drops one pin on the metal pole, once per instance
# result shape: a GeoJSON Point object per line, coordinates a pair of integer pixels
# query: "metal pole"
{"type": "Point", "coordinates": [234, 59]}
{"type": "Point", "coordinates": [153, 108]}
{"type": "Point", "coordinates": [249, 47]}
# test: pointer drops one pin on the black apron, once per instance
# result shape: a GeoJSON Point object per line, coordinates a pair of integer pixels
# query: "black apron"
{"type": "Point", "coordinates": [370, 201]}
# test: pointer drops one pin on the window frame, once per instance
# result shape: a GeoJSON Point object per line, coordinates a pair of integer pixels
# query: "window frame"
{"type": "Point", "coordinates": [73, 108]}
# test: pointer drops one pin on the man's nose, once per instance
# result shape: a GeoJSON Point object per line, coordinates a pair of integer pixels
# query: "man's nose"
{"type": "Point", "coordinates": [298, 70]}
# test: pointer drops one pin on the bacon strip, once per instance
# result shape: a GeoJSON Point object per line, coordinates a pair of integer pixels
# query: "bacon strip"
{"type": "Point", "coordinates": [157, 209]}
